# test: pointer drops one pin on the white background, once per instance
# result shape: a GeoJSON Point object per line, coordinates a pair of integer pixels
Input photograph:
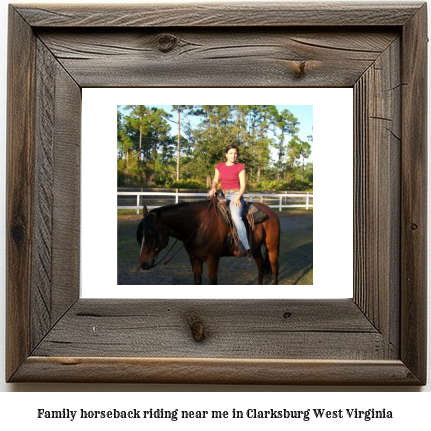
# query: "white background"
{"type": "Point", "coordinates": [411, 409]}
{"type": "Point", "coordinates": [333, 199]}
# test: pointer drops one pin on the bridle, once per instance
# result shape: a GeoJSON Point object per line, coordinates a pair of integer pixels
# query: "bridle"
{"type": "Point", "coordinates": [156, 249]}
{"type": "Point", "coordinates": [211, 204]}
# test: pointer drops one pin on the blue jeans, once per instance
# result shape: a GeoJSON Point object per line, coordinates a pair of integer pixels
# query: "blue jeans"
{"type": "Point", "coordinates": [237, 218]}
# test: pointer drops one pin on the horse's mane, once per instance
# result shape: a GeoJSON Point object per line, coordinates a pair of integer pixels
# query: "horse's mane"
{"type": "Point", "coordinates": [148, 225]}
{"type": "Point", "coordinates": [170, 207]}
{"type": "Point", "coordinates": [174, 207]}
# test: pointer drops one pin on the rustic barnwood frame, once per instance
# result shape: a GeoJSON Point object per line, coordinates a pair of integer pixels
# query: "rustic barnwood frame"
{"type": "Point", "coordinates": [378, 337]}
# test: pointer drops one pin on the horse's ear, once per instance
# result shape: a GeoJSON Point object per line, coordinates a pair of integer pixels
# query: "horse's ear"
{"type": "Point", "coordinates": [145, 211]}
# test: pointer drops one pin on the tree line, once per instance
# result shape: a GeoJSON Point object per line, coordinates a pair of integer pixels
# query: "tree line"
{"type": "Point", "coordinates": [181, 149]}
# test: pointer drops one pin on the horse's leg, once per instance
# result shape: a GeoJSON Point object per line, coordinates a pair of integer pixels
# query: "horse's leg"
{"type": "Point", "coordinates": [273, 249]}
{"type": "Point", "coordinates": [273, 258]}
{"type": "Point", "coordinates": [197, 268]}
{"type": "Point", "coordinates": [257, 256]}
{"type": "Point", "coordinates": [213, 265]}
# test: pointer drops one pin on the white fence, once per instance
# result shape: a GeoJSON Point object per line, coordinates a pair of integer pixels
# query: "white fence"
{"type": "Point", "coordinates": [251, 197]}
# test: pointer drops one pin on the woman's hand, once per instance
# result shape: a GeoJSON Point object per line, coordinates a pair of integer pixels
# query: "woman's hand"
{"type": "Point", "coordinates": [214, 184]}
{"type": "Point", "coordinates": [237, 202]}
{"type": "Point", "coordinates": [212, 191]}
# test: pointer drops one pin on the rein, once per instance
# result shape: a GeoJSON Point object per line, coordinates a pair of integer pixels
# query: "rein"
{"type": "Point", "coordinates": [188, 239]}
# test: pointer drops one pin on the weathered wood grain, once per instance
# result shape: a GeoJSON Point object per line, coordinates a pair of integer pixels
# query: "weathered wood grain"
{"type": "Point", "coordinates": [238, 329]}
{"type": "Point", "coordinates": [215, 371]}
{"type": "Point", "coordinates": [55, 277]}
{"type": "Point", "coordinates": [66, 208]}
{"type": "Point", "coordinates": [19, 197]}
{"type": "Point", "coordinates": [220, 15]}
{"type": "Point", "coordinates": [232, 58]}
{"type": "Point", "coordinates": [377, 182]}
{"type": "Point", "coordinates": [413, 194]}
{"type": "Point", "coordinates": [44, 195]}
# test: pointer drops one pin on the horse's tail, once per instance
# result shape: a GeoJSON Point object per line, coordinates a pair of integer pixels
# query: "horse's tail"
{"type": "Point", "coordinates": [267, 273]}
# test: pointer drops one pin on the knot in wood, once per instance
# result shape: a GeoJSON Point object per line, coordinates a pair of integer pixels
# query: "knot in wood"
{"type": "Point", "coordinates": [414, 226]}
{"type": "Point", "coordinates": [197, 328]}
{"type": "Point", "coordinates": [18, 233]}
{"type": "Point", "coordinates": [167, 42]}
{"type": "Point", "coordinates": [300, 69]}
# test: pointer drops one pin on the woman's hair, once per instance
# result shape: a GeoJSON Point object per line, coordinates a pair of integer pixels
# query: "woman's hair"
{"type": "Point", "coordinates": [229, 147]}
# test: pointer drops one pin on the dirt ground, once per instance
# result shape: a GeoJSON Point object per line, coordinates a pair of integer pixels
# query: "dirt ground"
{"type": "Point", "coordinates": [296, 257]}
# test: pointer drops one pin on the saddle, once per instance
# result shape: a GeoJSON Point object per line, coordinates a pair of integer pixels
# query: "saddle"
{"type": "Point", "coordinates": [252, 215]}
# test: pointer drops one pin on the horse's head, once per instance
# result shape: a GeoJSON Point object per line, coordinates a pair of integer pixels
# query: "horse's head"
{"type": "Point", "coordinates": [152, 236]}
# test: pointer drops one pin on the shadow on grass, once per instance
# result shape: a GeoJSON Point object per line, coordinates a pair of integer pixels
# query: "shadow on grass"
{"type": "Point", "coordinates": [296, 264]}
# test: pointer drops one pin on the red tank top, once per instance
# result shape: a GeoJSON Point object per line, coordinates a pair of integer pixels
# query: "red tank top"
{"type": "Point", "coordinates": [229, 175]}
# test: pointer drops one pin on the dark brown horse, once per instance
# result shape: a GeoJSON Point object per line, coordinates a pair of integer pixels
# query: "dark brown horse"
{"type": "Point", "coordinates": [200, 227]}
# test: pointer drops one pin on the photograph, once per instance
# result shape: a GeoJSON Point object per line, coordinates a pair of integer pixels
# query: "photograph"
{"type": "Point", "coordinates": [217, 181]}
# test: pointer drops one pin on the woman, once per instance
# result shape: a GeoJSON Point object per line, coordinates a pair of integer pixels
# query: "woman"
{"type": "Point", "coordinates": [231, 175]}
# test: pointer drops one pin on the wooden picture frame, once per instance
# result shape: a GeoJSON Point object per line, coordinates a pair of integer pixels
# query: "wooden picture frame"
{"type": "Point", "coordinates": [378, 337]}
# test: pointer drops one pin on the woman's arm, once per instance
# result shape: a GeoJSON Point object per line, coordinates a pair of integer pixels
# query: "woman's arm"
{"type": "Point", "coordinates": [214, 184]}
{"type": "Point", "coordinates": [242, 185]}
